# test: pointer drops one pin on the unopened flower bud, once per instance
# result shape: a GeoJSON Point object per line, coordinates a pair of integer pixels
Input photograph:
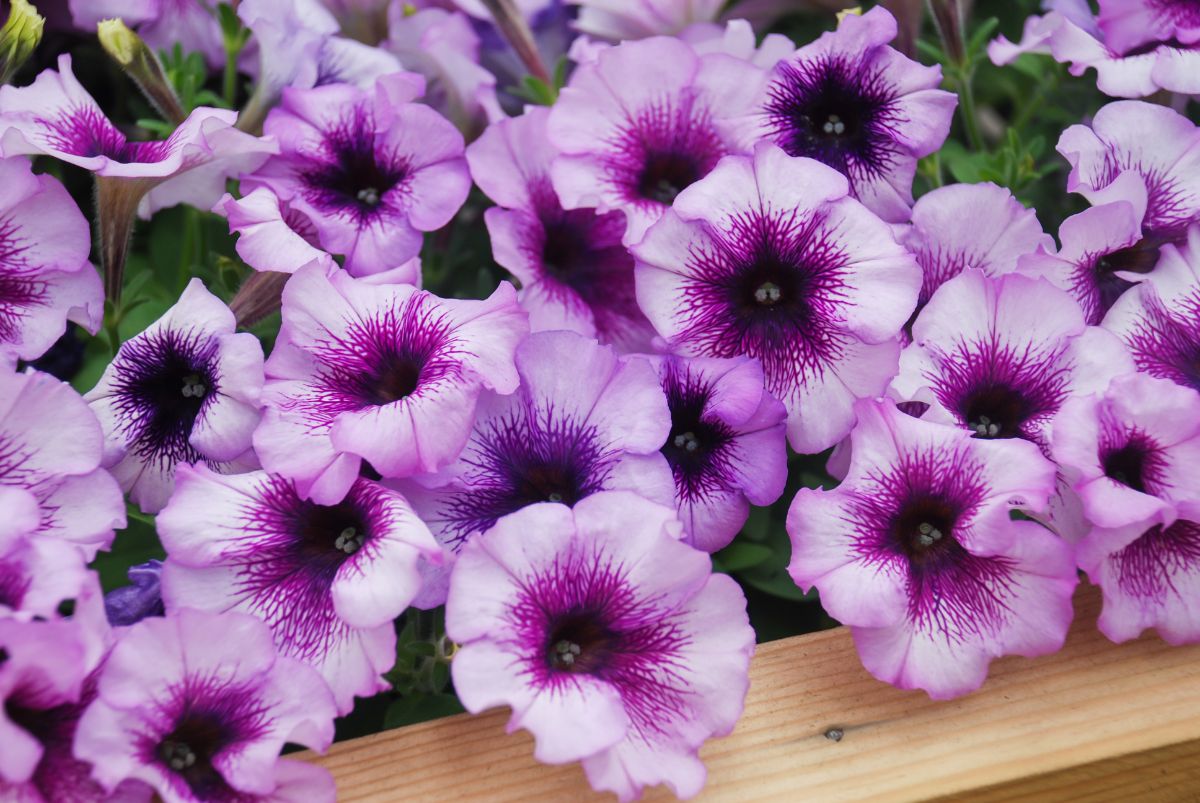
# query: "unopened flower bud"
{"type": "Point", "coordinates": [19, 38]}
{"type": "Point", "coordinates": [141, 64]}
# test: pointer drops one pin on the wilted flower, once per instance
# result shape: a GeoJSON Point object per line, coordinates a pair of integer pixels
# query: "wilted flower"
{"type": "Point", "coordinates": [582, 421]}
{"type": "Point", "coordinates": [184, 390]}
{"type": "Point", "coordinates": [916, 551]}
{"type": "Point", "coordinates": [328, 580]}
{"type": "Point", "coordinates": [612, 642]}
{"type": "Point", "coordinates": [384, 374]}
{"type": "Point", "coordinates": [769, 257]}
{"type": "Point", "coordinates": [862, 108]}
{"type": "Point", "coordinates": [127, 605]}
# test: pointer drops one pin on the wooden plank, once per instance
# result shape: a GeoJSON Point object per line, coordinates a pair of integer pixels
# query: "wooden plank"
{"type": "Point", "coordinates": [1096, 722]}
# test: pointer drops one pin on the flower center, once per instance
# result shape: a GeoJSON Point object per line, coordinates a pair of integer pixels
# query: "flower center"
{"type": "Point", "coordinates": [368, 196]}
{"type": "Point", "coordinates": [768, 294]}
{"type": "Point", "coordinates": [834, 126]}
{"type": "Point", "coordinates": [349, 540]}
{"type": "Point", "coordinates": [665, 175]}
{"type": "Point", "coordinates": [177, 755]}
{"type": "Point", "coordinates": [549, 483]}
{"type": "Point", "coordinates": [188, 751]}
{"type": "Point", "coordinates": [193, 387]}
{"type": "Point", "coordinates": [995, 411]}
{"type": "Point", "coordinates": [326, 535]}
{"type": "Point", "coordinates": [688, 442]}
{"type": "Point", "coordinates": [1141, 257]}
{"type": "Point", "coordinates": [398, 378]}
{"type": "Point", "coordinates": [923, 529]}
{"type": "Point", "coordinates": [578, 643]}
{"type": "Point", "coordinates": [1134, 464]}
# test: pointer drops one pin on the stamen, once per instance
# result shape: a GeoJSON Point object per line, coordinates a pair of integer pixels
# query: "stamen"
{"type": "Point", "coordinates": [177, 755]}
{"type": "Point", "coordinates": [554, 496]}
{"type": "Point", "coordinates": [985, 427]}
{"type": "Point", "coordinates": [368, 196]}
{"type": "Point", "coordinates": [565, 652]}
{"type": "Point", "coordinates": [350, 540]}
{"type": "Point", "coordinates": [834, 125]}
{"type": "Point", "coordinates": [687, 441]}
{"type": "Point", "coordinates": [193, 387]}
{"type": "Point", "coordinates": [768, 294]}
{"type": "Point", "coordinates": [927, 534]}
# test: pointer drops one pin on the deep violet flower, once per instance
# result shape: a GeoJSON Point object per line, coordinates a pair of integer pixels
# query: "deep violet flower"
{"type": "Point", "coordinates": [612, 642]}
{"type": "Point", "coordinates": [633, 144]}
{"type": "Point", "coordinates": [862, 108]}
{"type": "Point", "coordinates": [50, 452]}
{"type": "Point", "coordinates": [582, 421]}
{"type": "Point", "coordinates": [1137, 47]}
{"type": "Point", "coordinates": [1149, 575]}
{"type": "Point", "coordinates": [45, 276]}
{"type": "Point", "coordinates": [574, 272]}
{"type": "Point", "coordinates": [161, 23]}
{"type": "Point", "coordinates": [1102, 256]}
{"type": "Point", "coordinates": [1131, 453]}
{"type": "Point", "coordinates": [371, 170]}
{"type": "Point", "coordinates": [387, 374]}
{"type": "Point", "coordinates": [1143, 153]}
{"type": "Point", "coordinates": [328, 580]}
{"type": "Point", "coordinates": [198, 706]}
{"type": "Point", "coordinates": [727, 446]}
{"type": "Point", "coordinates": [639, 19]}
{"type": "Point", "coordinates": [769, 257]}
{"type": "Point", "coordinates": [915, 551]}
{"type": "Point", "coordinates": [1000, 231]}
{"type": "Point", "coordinates": [999, 357]}
{"type": "Point", "coordinates": [184, 390]}
{"type": "Point", "coordinates": [127, 605]}
{"type": "Point", "coordinates": [1159, 319]}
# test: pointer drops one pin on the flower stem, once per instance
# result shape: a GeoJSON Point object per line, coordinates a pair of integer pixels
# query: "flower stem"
{"type": "Point", "coordinates": [966, 107]}
{"type": "Point", "coordinates": [116, 212]}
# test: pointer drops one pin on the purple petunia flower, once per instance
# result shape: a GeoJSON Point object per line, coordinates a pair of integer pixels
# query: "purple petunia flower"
{"type": "Point", "coordinates": [50, 452]}
{"type": "Point", "coordinates": [574, 272]}
{"type": "Point", "coordinates": [1103, 254]}
{"type": "Point", "coordinates": [612, 642]}
{"type": "Point", "coordinates": [1001, 231]}
{"type": "Point", "coordinates": [272, 235]}
{"type": "Point", "coordinates": [371, 170]}
{"type": "Point", "coordinates": [1130, 454]}
{"type": "Point", "coordinates": [727, 447]}
{"type": "Point", "coordinates": [769, 257]}
{"type": "Point", "coordinates": [639, 19]}
{"type": "Point", "coordinates": [1115, 160]}
{"type": "Point", "coordinates": [45, 276]}
{"type": "Point", "coordinates": [632, 144]}
{"type": "Point", "coordinates": [161, 23]}
{"type": "Point", "coordinates": [128, 605]}
{"type": "Point", "coordinates": [1000, 356]}
{"type": "Point", "coordinates": [387, 374]}
{"type": "Point", "coordinates": [184, 390]}
{"type": "Point", "coordinates": [737, 38]}
{"type": "Point", "coordinates": [329, 580]}
{"type": "Point", "coordinates": [198, 706]}
{"type": "Point", "coordinates": [915, 551]}
{"type": "Point", "coordinates": [583, 421]}
{"type": "Point", "coordinates": [862, 108]}
{"type": "Point", "coordinates": [1137, 47]}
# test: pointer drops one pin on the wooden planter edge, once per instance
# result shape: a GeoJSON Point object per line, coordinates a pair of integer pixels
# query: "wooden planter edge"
{"type": "Point", "coordinates": [1095, 721]}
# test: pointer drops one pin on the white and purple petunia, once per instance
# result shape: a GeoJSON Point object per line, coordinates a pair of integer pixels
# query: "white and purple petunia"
{"type": "Point", "coordinates": [198, 706]}
{"type": "Point", "coordinates": [770, 257]}
{"type": "Point", "coordinates": [917, 553]}
{"type": "Point", "coordinates": [51, 448]}
{"type": "Point", "coordinates": [385, 374]}
{"type": "Point", "coordinates": [1159, 319]}
{"type": "Point", "coordinates": [633, 145]}
{"type": "Point", "coordinates": [45, 277]}
{"type": "Point", "coordinates": [370, 169]}
{"type": "Point", "coordinates": [328, 579]}
{"type": "Point", "coordinates": [856, 104]}
{"type": "Point", "coordinates": [583, 420]}
{"type": "Point", "coordinates": [184, 390]}
{"type": "Point", "coordinates": [1000, 356]}
{"type": "Point", "coordinates": [727, 447]}
{"type": "Point", "coordinates": [612, 641]}
{"type": "Point", "coordinates": [639, 19]}
{"type": "Point", "coordinates": [574, 272]}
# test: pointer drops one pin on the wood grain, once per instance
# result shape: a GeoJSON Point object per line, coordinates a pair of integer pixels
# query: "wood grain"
{"type": "Point", "coordinates": [1096, 722]}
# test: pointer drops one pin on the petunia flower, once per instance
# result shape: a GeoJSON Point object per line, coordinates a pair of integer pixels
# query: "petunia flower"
{"type": "Point", "coordinates": [272, 235]}
{"type": "Point", "coordinates": [385, 374]}
{"type": "Point", "coordinates": [1103, 254]}
{"type": "Point", "coordinates": [1001, 231]}
{"type": "Point", "coordinates": [640, 19]}
{"type": "Point", "coordinates": [574, 272]}
{"type": "Point", "coordinates": [50, 453]}
{"type": "Point", "coordinates": [1159, 319]}
{"type": "Point", "coordinates": [199, 705]}
{"type": "Point", "coordinates": [737, 38]}
{"type": "Point", "coordinates": [369, 169]}
{"type": "Point", "coordinates": [1137, 47]}
{"type": "Point", "coordinates": [633, 144]}
{"type": "Point", "coordinates": [769, 257]}
{"type": "Point", "coordinates": [582, 421]}
{"type": "Point", "coordinates": [55, 116]}
{"type": "Point", "coordinates": [856, 104]}
{"type": "Point", "coordinates": [328, 580]}
{"type": "Point", "coordinates": [916, 552]}
{"type": "Point", "coordinates": [184, 390]}
{"type": "Point", "coordinates": [612, 642]}
{"type": "Point", "coordinates": [1000, 356]}
{"type": "Point", "coordinates": [45, 276]}
{"type": "Point", "coordinates": [727, 447]}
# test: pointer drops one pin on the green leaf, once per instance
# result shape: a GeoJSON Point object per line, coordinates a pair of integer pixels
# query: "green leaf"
{"type": "Point", "coordinates": [742, 555]}
{"type": "Point", "coordinates": [420, 708]}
